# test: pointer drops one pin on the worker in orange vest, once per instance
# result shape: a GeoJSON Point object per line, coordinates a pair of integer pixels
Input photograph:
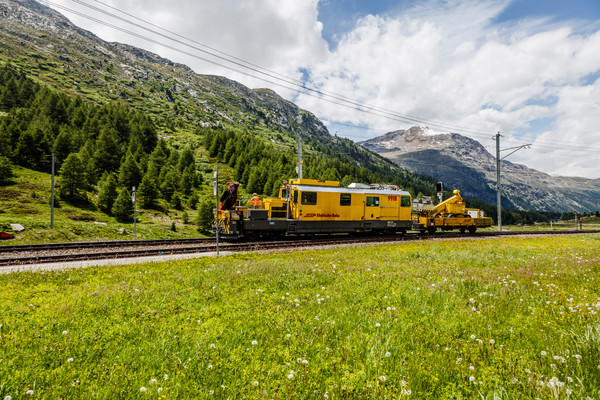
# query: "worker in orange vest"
{"type": "Point", "coordinates": [255, 200]}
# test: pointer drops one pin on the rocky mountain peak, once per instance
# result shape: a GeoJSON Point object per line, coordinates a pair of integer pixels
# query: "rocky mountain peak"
{"type": "Point", "coordinates": [463, 163]}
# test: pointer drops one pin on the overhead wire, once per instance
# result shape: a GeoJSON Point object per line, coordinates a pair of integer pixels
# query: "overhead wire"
{"type": "Point", "coordinates": [321, 93]}
{"type": "Point", "coordinates": [298, 86]}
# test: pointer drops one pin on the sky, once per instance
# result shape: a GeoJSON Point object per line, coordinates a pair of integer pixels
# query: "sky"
{"type": "Point", "coordinates": [528, 69]}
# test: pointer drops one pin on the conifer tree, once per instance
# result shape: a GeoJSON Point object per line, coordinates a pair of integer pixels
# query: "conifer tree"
{"type": "Point", "coordinates": [123, 207]}
{"type": "Point", "coordinates": [107, 192]}
{"type": "Point", "coordinates": [148, 191]}
{"type": "Point", "coordinates": [72, 179]}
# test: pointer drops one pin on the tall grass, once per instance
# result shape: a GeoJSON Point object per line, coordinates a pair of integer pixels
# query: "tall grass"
{"type": "Point", "coordinates": [499, 319]}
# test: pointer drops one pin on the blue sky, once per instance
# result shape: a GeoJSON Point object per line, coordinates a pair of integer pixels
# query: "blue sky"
{"type": "Point", "coordinates": [526, 68]}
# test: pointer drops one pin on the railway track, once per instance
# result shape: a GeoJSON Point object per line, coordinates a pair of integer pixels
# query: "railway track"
{"type": "Point", "coordinates": [85, 251]}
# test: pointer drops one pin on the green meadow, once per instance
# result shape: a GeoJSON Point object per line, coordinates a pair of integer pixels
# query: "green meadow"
{"type": "Point", "coordinates": [511, 318]}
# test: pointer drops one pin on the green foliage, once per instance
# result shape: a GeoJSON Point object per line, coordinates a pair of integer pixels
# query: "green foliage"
{"type": "Point", "coordinates": [123, 207]}
{"type": "Point", "coordinates": [129, 172]}
{"type": "Point", "coordinates": [72, 181]}
{"type": "Point", "coordinates": [107, 192]}
{"type": "Point", "coordinates": [148, 191]}
{"type": "Point", "coordinates": [6, 170]}
{"type": "Point", "coordinates": [205, 215]}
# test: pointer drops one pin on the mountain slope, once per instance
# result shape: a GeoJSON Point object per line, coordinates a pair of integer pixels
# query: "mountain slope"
{"type": "Point", "coordinates": [463, 163]}
{"type": "Point", "coordinates": [43, 44]}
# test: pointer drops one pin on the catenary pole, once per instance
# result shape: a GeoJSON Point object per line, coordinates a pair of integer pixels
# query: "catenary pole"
{"type": "Point", "coordinates": [498, 194]}
{"type": "Point", "coordinates": [52, 196]}
{"type": "Point", "coordinates": [498, 163]}
{"type": "Point", "coordinates": [299, 156]}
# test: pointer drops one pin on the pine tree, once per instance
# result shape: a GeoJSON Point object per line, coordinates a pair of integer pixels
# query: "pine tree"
{"type": "Point", "coordinates": [72, 179]}
{"type": "Point", "coordinates": [205, 215]}
{"type": "Point", "coordinates": [123, 207]}
{"type": "Point", "coordinates": [107, 192]}
{"type": "Point", "coordinates": [6, 170]}
{"type": "Point", "coordinates": [129, 172]}
{"type": "Point", "coordinates": [148, 191]}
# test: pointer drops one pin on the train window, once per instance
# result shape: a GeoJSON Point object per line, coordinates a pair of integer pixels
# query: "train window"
{"type": "Point", "coordinates": [283, 193]}
{"type": "Point", "coordinates": [345, 199]}
{"type": "Point", "coordinates": [405, 201]}
{"type": "Point", "coordinates": [309, 198]}
{"type": "Point", "coordinates": [372, 201]}
{"type": "Point", "coordinates": [295, 196]}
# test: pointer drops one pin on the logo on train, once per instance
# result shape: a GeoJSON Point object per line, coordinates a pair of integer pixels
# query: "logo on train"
{"type": "Point", "coordinates": [319, 215]}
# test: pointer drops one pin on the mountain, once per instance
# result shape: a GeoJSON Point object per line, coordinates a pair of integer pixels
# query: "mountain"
{"type": "Point", "coordinates": [185, 107]}
{"type": "Point", "coordinates": [48, 46]}
{"type": "Point", "coordinates": [463, 163]}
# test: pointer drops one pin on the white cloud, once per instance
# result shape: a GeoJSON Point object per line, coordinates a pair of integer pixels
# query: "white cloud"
{"type": "Point", "coordinates": [445, 61]}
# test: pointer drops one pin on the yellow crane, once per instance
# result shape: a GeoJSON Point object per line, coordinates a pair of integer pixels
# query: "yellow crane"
{"type": "Point", "coordinates": [448, 215]}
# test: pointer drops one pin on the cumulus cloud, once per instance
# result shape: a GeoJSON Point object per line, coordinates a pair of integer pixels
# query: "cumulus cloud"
{"type": "Point", "coordinates": [448, 62]}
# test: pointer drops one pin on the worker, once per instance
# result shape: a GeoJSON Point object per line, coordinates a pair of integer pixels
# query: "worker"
{"type": "Point", "coordinates": [255, 200]}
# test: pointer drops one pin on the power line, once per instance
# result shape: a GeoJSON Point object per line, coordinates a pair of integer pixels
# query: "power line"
{"type": "Point", "coordinates": [363, 107]}
{"type": "Point", "coordinates": [297, 85]}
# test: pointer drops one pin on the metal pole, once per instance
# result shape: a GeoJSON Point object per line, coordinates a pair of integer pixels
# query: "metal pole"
{"type": "Point", "coordinates": [498, 190]}
{"type": "Point", "coordinates": [134, 212]}
{"type": "Point", "coordinates": [299, 156]}
{"type": "Point", "coordinates": [52, 196]}
{"type": "Point", "coordinates": [217, 214]}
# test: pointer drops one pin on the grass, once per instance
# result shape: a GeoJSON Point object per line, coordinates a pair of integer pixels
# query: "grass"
{"type": "Point", "coordinates": [26, 202]}
{"type": "Point", "coordinates": [507, 318]}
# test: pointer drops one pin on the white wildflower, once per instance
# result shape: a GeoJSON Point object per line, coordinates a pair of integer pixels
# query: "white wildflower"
{"type": "Point", "coordinates": [143, 389]}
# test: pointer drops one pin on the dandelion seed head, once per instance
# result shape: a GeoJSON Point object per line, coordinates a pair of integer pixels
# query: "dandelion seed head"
{"type": "Point", "coordinates": [143, 389]}
{"type": "Point", "coordinates": [254, 343]}
{"type": "Point", "coordinates": [69, 360]}
{"type": "Point", "coordinates": [472, 378]}
{"type": "Point", "coordinates": [255, 383]}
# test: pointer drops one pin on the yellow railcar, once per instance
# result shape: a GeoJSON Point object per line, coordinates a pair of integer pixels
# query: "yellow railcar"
{"type": "Point", "coordinates": [307, 206]}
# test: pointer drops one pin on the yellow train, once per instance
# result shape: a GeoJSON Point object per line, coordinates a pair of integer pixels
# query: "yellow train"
{"type": "Point", "coordinates": [309, 206]}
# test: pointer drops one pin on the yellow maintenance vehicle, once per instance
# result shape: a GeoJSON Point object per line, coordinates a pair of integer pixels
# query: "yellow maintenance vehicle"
{"type": "Point", "coordinates": [448, 215]}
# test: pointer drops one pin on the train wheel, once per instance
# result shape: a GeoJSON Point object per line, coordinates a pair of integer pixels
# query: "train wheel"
{"type": "Point", "coordinates": [422, 231]}
{"type": "Point", "coordinates": [462, 230]}
{"type": "Point", "coordinates": [472, 229]}
{"type": "Point", "coordinates": [431, 230]}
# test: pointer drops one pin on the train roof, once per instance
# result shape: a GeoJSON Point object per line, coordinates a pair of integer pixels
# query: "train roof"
{"type": "Point", "coordinates": [335, 189]}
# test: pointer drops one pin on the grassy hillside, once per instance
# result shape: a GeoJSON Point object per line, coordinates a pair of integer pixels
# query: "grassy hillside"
{"type": "Point", "coordinates": [490, 319]}
{"type": "Point", "coordinates": [27, 202]}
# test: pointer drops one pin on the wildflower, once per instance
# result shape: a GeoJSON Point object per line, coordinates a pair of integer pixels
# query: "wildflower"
{"type": "Point", "coordinates": [473, 337]}
{"type": "Point", "coordinates": [69, 360]}
{"type": "Point", "coordinates": [472, 378]}
{"type": "Point", "coordinates": [64, 332]}
{"type": "Point", "coordinates": [29, 392]}
{"type": "Point", "coordinates": [159, 389]}
{"type": "Point", "coordinates": [254, 343]}
{"type": "Point", "coordinates": [165, 377]}
{"type": "Point", "coordinates": [377, 325]}
{"type": "Point", "coordinates": [543, 353]}
{"type": "Point", "coordinates": [211, 392]}
{"type": "Point", "coordinates": [327, 349]}
{"type": "Point", "coordinates": [471, 367]}
{"type": "Point", "coordinates": [472, 300]}
{"type": "Point", "coordinates": [212, 346]}
{"type": "Point", "coordinates": [153, 381]}
{"type": "Point", "coordinates": [387, 354]}
{"type": "Point", "coordinates": [305, 362]}
{"type": "Point", "coordinates": [569, 379]}
{"type": "Point", "coordinates": [291, 375]}
{"type": "Point", "coordinates": [255, 383]}
{"type": "Point", "coordinates": [7, 397]}
{"type": "Point", "coordinates": [492, 341]}
{"type": "Point", "coordinates": [210, 366]}
{"type": "Point", "coordinates": [288, 336]}
{"type": "Point", "coordinates": [577, 356]}
{"type": "Point", "coordinates": [382, 378]}
{"type": "Point", "coordinates": [143, 389]}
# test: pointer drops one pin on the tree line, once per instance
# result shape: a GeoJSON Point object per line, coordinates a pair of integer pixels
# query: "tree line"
{"type": "Point", "coordinates": [105, 148]}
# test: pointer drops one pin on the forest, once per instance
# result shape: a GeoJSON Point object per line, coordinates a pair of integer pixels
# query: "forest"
{"type": "Point", "coordinates": [102, 151]}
